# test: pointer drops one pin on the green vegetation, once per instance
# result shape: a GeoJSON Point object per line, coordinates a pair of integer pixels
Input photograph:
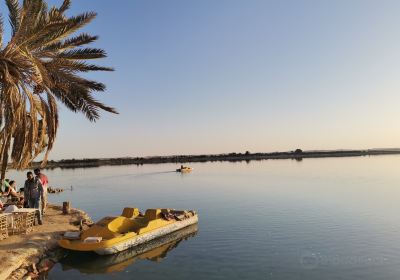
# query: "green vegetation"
{"type": "Point", "coordinates": [232, 157]}
{"type": "Point", "coordinates": [298, 151]}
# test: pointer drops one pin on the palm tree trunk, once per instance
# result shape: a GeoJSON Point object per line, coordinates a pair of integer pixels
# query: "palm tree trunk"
{"type": "Point", "coordinates": [5, 158]}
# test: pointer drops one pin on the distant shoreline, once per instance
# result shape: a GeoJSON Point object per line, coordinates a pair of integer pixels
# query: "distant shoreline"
{"type": "Point", "coordinates": [232, 157]}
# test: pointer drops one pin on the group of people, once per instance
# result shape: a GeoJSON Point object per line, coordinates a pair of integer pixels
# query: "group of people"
{"type": "Point", "coordinates": [34, 192]}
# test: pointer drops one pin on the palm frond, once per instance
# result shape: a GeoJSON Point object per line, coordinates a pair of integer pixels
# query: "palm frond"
{"type": "Point", "coordinates": [74, 66]}
{"type": "Point", "coordinates": [52, 32]}
{"type": "Point", "coordinates": [15, 14]}
{"type": "Point", "coordinates": [32, 16]}
{"type": "Point", "coordinates": [65, 6]}
{"type": "Point", "coordinates": [82, 54]}
{"type": "Point", "coordinates": [39, 67]}
{"type": "Point", "coordinates": [77, 41]}
{"type": "Point", "coordinates": [71, 25]}
{"type": "Point", "coordinates": [1, 31]}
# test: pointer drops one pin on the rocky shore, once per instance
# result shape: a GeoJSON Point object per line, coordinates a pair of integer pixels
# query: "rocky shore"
{"type": "Point", "coordinates": [26, 256]}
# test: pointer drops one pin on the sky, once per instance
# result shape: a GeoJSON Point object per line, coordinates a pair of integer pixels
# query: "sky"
{"type": "Point", "coordinates": [219, 76]}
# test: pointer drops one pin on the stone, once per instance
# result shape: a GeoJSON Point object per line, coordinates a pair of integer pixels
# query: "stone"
{"type": "Point", "coordinates": [45, 265]}
{"type": "Point", "coordinates": [22, 271]}
{"type": "Point", "coordinates": [18, 274]}
{"type": "Point", "coordinates": [32, 275]}
{"type": "Point", "coordinates": [66, 207]}
{"type": "Point", "coordinates": [33, 269]}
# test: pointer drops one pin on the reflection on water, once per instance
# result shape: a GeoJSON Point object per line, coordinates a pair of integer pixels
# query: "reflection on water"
{"type": "Point", "coordinates": [155, 250]}
{"type": "Point", "coordinates": [332, 218]}
{"type": "Point", "coordinates": [133, 175]}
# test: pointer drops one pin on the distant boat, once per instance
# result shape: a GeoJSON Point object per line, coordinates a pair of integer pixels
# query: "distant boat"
{"type": "Point", "coordinates": [184, 169]}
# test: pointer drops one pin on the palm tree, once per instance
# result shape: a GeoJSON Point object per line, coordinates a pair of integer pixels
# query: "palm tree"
{"type": "Point", "coordinates": [40, 66]}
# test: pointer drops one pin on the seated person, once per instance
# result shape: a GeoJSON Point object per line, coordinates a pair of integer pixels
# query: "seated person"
{"type": "Point", "coordinates": [4, 188]}
{"type": "Point", "coordinates": [10, 190]}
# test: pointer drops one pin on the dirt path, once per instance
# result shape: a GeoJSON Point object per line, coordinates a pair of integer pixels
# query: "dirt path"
{"type": "Point", "coordinates": [22, 251]}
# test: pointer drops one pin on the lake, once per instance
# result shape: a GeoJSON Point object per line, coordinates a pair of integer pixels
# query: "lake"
{"type": "Point", "coordinates": [328, 218]}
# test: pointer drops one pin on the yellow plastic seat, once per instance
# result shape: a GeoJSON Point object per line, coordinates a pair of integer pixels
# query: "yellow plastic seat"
{"type": "Point", "coordinates": [152, 214]}
{"type": "Point", "coordinates": [130, 213]}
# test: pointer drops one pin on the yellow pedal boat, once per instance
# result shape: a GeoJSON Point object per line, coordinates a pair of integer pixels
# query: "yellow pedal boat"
{"type": "Point", "coordinates": [184, 169]}
{"type": "Point", "coordinates": [111, 235]}
{"type": "Point", "coordinates": [155, 250]}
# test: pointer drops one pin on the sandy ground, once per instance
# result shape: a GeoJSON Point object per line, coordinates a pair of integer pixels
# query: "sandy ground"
{"type": "Point", "coordinates": [23, 250]}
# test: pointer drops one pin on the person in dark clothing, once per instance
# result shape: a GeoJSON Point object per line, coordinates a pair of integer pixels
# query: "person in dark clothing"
{"type": "Point", "coordinates": [33, 192]}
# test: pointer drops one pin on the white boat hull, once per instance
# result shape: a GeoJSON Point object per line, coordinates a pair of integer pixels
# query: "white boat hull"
{"type": "Point", "coordinates": [146, 237]}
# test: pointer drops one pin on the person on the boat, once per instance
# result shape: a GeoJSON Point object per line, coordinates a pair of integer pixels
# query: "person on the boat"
{"type": "Point", "coordinates": [45, 183]}
{"type": "Point", "coordinates": [33, 191]}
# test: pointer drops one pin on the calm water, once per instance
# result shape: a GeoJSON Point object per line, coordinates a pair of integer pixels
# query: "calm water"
{"type": "Point", "coordinates": [278, 219]}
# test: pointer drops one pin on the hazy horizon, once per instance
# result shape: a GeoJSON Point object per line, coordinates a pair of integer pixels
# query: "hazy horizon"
{"type": "Point", "coordinates": [206, 77]}
{"type": "Point", "coordinates": [237, 152]}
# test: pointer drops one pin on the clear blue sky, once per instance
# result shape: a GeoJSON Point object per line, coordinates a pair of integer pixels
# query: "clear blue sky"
{"type": "Point", "coordinates": [214, 76]}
